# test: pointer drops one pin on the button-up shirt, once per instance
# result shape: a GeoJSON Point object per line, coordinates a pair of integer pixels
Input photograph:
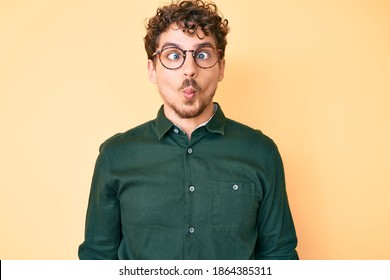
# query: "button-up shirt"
{"type": "Point", "coordinates": [156, 194]}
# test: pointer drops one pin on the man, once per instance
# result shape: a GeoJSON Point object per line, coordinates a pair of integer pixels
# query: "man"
{"type": "Point", "coordinates": [190, 184]}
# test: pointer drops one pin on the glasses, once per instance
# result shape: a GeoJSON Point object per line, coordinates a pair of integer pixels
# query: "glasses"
{"type": "Point", "coordinates": [173, 58]}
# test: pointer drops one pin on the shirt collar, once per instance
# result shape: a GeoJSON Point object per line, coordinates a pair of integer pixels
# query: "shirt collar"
{"type": "Point", "coordinates": [215, 125]}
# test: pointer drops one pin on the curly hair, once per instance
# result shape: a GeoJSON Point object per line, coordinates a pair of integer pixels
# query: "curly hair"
{"type": "Point", "coordinates": [189, 16]}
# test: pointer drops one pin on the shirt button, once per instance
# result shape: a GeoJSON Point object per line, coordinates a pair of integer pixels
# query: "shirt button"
{"type": "Point", "coordinates": [235, 187]}
{"type": "Point", "coordinates": [176, 130]}
{"type": "Point", "coordinates": [191, 230]}
{"type": "Point", "coordinates": [192, 189]}
{"type": "Point", "coordinates": [189, 150]}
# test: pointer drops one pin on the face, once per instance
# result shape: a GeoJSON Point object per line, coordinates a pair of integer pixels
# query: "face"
{"type": "Point", "coordinates": [188, 91]}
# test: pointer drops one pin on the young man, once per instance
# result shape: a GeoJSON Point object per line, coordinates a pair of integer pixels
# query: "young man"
{"type": "Point", "coordinates": [191, 184]}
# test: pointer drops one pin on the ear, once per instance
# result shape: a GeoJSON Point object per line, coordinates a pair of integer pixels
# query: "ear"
{"type": "Point", "coordinates": [221, 66]}
{"type": "Point", "coordinates": [152, 72]}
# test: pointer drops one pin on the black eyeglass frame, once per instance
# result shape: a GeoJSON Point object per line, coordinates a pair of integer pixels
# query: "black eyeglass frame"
{"type": "Point", "coordinates": [158, 54]}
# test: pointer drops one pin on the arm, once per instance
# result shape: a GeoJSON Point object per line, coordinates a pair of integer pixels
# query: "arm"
{"type": "Point", "coordinates": [276, 233]}
{"type": "Point", "coordinates": [103, 227]}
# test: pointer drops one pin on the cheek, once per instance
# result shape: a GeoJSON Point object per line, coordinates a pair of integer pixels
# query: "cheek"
{"type": "Point", "coordinates": [212, 81]}
{"type": "Point", "coordinates": [167, 81]}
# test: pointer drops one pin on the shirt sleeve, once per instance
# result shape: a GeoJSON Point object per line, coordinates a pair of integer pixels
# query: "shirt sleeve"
{"type": "Point", "coordinates": [102, 227]}
{"type": "Point", "coordinates": [276, 232]}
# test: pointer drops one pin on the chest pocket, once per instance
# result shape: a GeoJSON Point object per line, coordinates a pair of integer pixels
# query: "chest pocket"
{"type": "Point", "coordinates": [233, 206]}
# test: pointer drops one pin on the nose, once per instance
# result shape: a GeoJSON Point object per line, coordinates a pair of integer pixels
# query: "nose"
{"type": "Point", "coordinates": [189, 67]}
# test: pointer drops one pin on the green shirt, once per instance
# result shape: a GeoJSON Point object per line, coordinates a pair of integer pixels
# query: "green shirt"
{"type": "Point", "coordinates": [158, 195]}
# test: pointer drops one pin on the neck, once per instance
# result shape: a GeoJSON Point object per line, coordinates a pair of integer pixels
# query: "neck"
{"type": "Point", "coordinates": [188, 125]}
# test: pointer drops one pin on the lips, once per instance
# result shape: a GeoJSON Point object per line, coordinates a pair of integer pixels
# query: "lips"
{"type": "Point", "coordinates": [189, 88]}
{"type": "Point", "coordinates": [189, 92]}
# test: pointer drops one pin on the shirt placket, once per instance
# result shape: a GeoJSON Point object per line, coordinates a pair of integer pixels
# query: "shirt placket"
{"type": "Point", "coordinates": [189, 226]}
{"type": "Point", "coordinates": [189, 229]}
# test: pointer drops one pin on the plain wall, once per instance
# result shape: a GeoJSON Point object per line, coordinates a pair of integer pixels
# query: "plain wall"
{"type": "Point", "coordinates": [312, 75]}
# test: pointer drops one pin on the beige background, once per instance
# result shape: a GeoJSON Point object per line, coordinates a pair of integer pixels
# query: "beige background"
{"type": "Point", "coordinates": [313, 75]}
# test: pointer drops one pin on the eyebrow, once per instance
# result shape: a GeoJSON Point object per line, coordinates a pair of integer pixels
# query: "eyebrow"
{"type": "Point", "coordinates": [197, 46]}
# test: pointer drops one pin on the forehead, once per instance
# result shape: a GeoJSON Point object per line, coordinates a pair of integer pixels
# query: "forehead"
{"type": "Point", "coordinates": [183, 38]}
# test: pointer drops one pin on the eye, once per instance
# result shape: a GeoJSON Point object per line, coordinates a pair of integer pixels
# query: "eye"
{"type": "Point", "coordinates": [173, 54]}
{"type": "Point", "coordinates": [202, 54]}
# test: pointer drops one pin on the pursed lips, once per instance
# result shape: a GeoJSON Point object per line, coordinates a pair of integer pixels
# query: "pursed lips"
{"type": "Point", "coordinates": [189, 92]}
{"type": "Point", "coordinates": [189, 88]}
